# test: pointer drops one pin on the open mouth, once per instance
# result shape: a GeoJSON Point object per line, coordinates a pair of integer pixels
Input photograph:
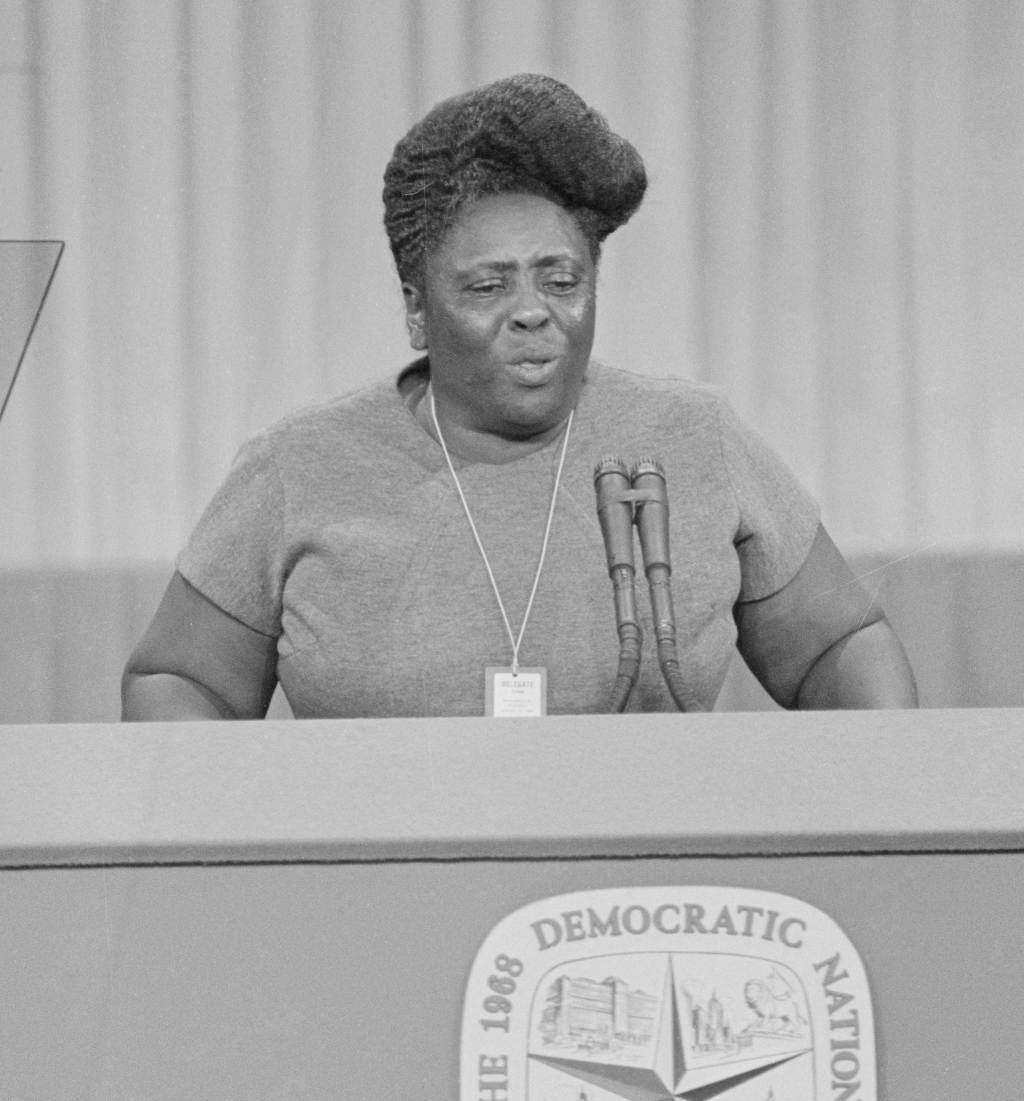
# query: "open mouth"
{"type": "Point", "coordinates": [535, 372]}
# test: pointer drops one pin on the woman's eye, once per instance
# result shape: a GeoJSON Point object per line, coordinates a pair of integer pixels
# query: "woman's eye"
{"type": "Point", "coordinates": [562, 284]}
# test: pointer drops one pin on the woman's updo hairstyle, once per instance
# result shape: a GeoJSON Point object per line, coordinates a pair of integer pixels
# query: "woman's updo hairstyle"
{"type": "Point", "coordinates": [527, 133]}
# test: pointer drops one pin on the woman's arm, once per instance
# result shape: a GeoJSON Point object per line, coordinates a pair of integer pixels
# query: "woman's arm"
{"type": "Point", "coordinates": [197, 662]}
{"type": "Point", "coordinates": [821, 642]}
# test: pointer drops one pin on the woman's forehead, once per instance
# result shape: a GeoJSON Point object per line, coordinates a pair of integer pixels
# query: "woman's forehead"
{"type": "Point", "coordinates": [511, 229]}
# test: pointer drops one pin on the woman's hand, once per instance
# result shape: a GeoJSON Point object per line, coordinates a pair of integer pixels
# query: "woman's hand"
{"type": "Point", "coordinates": [197, 662]}
{"type": "Point", "coordinates": [821, 642]}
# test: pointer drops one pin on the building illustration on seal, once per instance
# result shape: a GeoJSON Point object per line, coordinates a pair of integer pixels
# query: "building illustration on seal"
{"type": "Point", "coordinates": [660, 1026]}
{"type": "Point", "coordinates": [597, 1014]}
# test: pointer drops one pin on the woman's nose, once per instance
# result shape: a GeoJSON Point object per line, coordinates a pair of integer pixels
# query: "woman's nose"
{"type": "Point", "coordinates": [529, 311]}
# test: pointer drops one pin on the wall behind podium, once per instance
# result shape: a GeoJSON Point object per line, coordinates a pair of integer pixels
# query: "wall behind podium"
{"type": "Point", "coordinates": [834, 234]}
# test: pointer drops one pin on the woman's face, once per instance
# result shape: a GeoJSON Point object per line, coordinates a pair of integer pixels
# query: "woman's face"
{"type": "Point", "coordinates": [506, 313]}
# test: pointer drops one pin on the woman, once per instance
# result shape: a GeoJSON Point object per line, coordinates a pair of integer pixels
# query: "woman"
{"type": "Point", "coordinates": [431, 546]}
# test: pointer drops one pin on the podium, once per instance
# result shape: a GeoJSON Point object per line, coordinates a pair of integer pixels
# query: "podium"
{"type": "Point", "coordinates": [291, 910]}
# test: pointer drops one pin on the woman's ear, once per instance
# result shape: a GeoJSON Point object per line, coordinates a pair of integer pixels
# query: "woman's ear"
{"type": "Point", "coordinates": [415, 321]}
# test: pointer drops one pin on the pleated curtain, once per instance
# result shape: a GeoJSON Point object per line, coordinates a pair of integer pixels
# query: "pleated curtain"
{"type": "Point", "coordinates": [833, 234]}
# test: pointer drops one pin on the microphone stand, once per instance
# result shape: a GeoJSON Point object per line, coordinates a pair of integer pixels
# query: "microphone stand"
{"type": "Point", "coordinates": [623, 500]}
{"type": "Point", "coordinates": [615, 512]}
{"type": "Point", "coordinates": [652, 523]}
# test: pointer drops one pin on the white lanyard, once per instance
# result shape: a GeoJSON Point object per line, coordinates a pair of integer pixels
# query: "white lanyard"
{"type": "Point", "coordinates": [516, 641]}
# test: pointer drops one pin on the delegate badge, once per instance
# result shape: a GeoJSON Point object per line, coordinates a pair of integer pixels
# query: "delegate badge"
{"type": "Point", "coordinates": [522, 694]}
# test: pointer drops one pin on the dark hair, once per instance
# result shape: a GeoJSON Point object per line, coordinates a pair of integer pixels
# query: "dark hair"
{"type": "Point", "coordinates": [526, 133]}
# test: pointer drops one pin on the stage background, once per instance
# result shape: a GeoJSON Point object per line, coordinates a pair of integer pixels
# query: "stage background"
{"type": "Point", "coordinates": [834, 234]}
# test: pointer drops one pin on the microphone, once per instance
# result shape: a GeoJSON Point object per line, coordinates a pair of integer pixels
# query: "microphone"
{"type": "Point", "coordinates": [648, 479]}
{"type": "Point", "coordinates": [615, 513]}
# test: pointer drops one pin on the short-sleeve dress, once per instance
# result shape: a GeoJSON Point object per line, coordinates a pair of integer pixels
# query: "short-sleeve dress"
{"type": "Point", "coordinates": [339, 533]}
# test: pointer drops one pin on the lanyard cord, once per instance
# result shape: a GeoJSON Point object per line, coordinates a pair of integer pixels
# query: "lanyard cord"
{"type": "Point", "coordinates": [516, 642]}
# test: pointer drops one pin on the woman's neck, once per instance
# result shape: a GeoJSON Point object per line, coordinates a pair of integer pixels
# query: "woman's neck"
{"type": "Point", "coordinates": [478, 445]}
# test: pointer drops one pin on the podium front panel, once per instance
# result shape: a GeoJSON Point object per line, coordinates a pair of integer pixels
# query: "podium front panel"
{"type": "Point", "coordinates": [166, 967]}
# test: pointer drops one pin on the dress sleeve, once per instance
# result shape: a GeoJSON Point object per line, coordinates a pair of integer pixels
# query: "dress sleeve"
{"type": "Point", "coordinates": [234, 557]}
{"type": "Point", "coordinates": [778, 519]}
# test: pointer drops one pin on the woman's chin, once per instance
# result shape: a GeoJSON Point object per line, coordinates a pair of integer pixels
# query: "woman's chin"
{"type": "Point", "coordinates": [527, 420]}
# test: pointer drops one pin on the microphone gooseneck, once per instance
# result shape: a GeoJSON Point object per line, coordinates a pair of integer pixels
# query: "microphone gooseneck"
{"type": "Point", "coordinates": [648, 480]}
{"type": "Point", "coordinates": [639, 498]}
{"type": "Point", "coordinates": [615, 513]}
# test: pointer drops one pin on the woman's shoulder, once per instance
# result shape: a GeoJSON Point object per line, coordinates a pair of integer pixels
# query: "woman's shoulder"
{"type": "Point", "coordinates": [345, 422]}
{"type": "Point", "coordinates": [608, 378]}
{"type": "Point", "coordinates": [627, 394]}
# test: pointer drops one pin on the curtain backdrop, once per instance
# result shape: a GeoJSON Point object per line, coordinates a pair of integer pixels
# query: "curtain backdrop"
{"type": "Point", "coordinates": [834, 234]}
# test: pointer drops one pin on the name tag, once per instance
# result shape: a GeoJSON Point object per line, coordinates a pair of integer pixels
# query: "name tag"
{"type": "Point", "coordinates": [519, 695]}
